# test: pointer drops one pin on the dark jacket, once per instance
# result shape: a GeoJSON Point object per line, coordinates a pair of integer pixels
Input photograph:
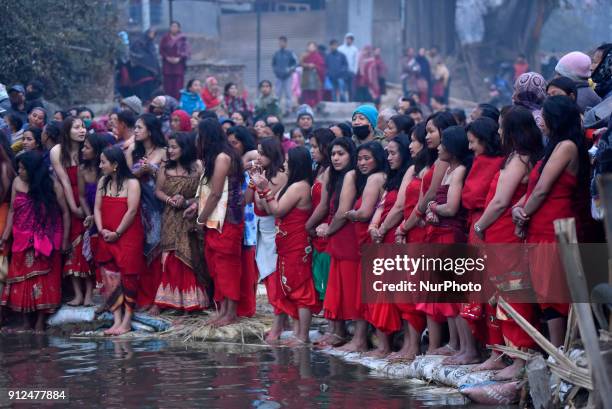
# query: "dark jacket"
{"type": "Point", "coordinates": [283, 63]}
{"type": "Point", "coordinates": [585, 96]}
{"type": "Point", "coordinates": [337, 65]}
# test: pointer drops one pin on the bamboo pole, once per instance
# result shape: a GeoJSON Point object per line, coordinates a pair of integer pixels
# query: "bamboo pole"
{"type": "Point", "coordinates": [565, 230]}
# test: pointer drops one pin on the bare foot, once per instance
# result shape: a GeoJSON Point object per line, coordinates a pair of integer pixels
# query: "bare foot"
{"type": "Point", "coordinates": [494, 363]}
{"type": "Point", "coordinates": [75, 302]}
{"type": "Point", "coordinates": [377, 353]}
{"type": "Point", "coordinates": [446, 350]}
{"type": "Point", "coordinates": [333, 341]}
{"type": "Point", "coordinates": [88, 302]}
{"type": "Point", "coordinates": [214, 317]}
{"type": "Point", "coordinates": [512, 372]}
{"type": "Point", "coordinates": [462, 359]}
{"type": "Point", "coordinates": [122, 330]}
{"type": "Point", "coordinates": [272, 338]}
{"type": "Point", "coordinates": [401, 356]}
{"type": "Point", "coordinates": [111, 330]}
{"type": "Point", "coordinates": [294, 342]}
{"type": "Point", "coordinates": [353, 347]}
{"type": "Point", "coordinates": [223, 321]}
{"type": "Point", "coordinates": [154, 310]}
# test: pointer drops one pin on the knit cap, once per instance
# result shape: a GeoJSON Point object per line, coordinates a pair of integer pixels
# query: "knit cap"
{"type": "Point", "coordinates": [133, 103]}
{"type": "Point", "coordinates": [574, 65]}
{"type": "Point", "coordinates": [369, 111]}
{"type": "Point", "coordinates": [304, 109]}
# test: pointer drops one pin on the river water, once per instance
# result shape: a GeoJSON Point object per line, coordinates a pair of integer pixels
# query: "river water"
{"type": "Point", "coordinates": [156, 373]}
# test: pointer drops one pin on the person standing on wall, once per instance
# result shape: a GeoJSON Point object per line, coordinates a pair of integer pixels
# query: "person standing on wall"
{"type": "Point", "coordinates": [284, 63]}
{"type": "Point", "coordinates": [351, 52]}
{"type": "Point", "coordinates": [174, 50]}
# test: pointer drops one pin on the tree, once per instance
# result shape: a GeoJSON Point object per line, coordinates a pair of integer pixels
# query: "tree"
{"type": "Point", "coordinates": [67, 44]}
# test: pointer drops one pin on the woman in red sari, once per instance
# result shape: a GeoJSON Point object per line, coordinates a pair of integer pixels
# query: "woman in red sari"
{"type": "Point", "coordinates": [432, 178]}
{"type": "Point", "coordinates": [367, 85]}
{"type": "Point", "coordinates": [180, 286]}
{"type": "Point", "coordinates": [385, 315]}
{"type": "Point", "coordinates": [446, 222]}
{"type": "Point", "coordinates": [313, 75]}
{"type": "Point", "coordinates": [369, 181]}
{"type": "Point", "coordinates": [320, 141]}
{"type": "Point", "coordinates": [484, 141]}
{"type": "Point", "coordinates": [120, 247]}
{"type": "Point", "coordinates": [340, 302]}
{"type": "Point", "coordinates": [174, 50]}
{"type": "Point", "coordinates": [7, 174]}
{"type": "Point", "coordinates": [552, 191]}
{"type": "Point", "coordinates": [291, 207]}
{"type": "Point", "coordinates": [65, 159]}
{"type": "Point", "coordinates": [39, 223]}
{"type": "Point", "coordinates": [522, 143]}
{"type": "Point", "coordinates": [221, 211]}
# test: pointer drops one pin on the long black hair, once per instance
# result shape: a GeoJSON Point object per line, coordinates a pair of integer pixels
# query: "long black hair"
{"type": "Point", "coordinates": [324, 137]}
{"type": "Point", "coordinates": [37, 135]}
{"type": "Point", "coordinates": [403, 123]}
{"type": "Point", "coordinates": [98, 143]}
{"type": "Point", "coordinates": [455, 141]}
{"type": "Point", "coordinates": [521, 134]}
{"type": "Point", "coordinates": [486, 131]}
{"type": "Point", "coordinates": [188, 156]}
{"type": "Point", "coordinates": [53, 131]}
{"type": "Point", "coordinates": [65, 141]}
{"type": "Point", "coordinates": [421, 160]}
{"type": "Point", "coordinates": [395, 176]}
{"type": "Point", "coordinates": [562, 118]}
{"type": "Point", "coordinates": [336, 177]}
{"type": "Point", "coordinates": [299, 164]}
{"type": "Point", "coordinates": [244, 136]}
{"type": "Point", "coordinates": [441, 120]}
{"type": "Point", "coordinates": [377, 151]}
{"type": "Point", "coordinates": [271, 149]}
{"type": "Point", "coordinates": [212, 141]}
{"type": "Point", "coordinates": [114, 154]}
{"type": "Point", "coordinates": [40, 187]}
{"type": "Point", "coordinates": [153, 125]}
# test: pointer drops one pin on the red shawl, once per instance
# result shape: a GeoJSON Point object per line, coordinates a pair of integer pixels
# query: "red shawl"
{"type": "Point", "coordinates": [368, 72]}
{"type": "Point", "coordinates": [316, 59]}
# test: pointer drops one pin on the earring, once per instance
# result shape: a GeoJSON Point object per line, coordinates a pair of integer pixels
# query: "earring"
{"type": "Point", "coordinates": [114, 170]}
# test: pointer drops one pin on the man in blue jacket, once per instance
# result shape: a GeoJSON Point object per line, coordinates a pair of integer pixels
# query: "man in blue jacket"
{"type": "Point", "coordinates": [337, 70]}
{"type": "Point", "coordinates": [284, 63]}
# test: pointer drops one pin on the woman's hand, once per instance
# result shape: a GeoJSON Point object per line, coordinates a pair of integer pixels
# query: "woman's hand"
{"type": "Point", "coordinates": [400, 236]}
{"type": "Point", "coordinates": [375, 234]}
{"type": "Point", "coordinates": [519, 217]}
{"type": "Point", "coordinates": [177, 201]}
{"type": "Point", "coordinates": [191, 211]}
{"type": "Point", "coordinates": [431, 217]}
{"type": "Point", "coordinates": [351, 215]}
{"type": "Point", "coordinates": [88, 222]}
{"type": "Point", "coordinates": [105, 233]}
{"type": "Point", "coordinates": [261, 182]}
{"type": "Point", "coordinates": [322, 229]}
{"type": "Point", "coordinates": [520, 232]}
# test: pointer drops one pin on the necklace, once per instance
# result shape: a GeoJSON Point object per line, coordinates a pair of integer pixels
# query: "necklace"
{"type": "Point", "coordinates": [147, 154]}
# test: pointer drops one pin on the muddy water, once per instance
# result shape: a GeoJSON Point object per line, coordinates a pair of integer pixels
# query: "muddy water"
{"type": "Point", "coordinates": [153, 373]}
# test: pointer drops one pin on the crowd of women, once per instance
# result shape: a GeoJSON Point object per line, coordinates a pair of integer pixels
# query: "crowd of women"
{"type": "Point", "coordinates": [193, 219]}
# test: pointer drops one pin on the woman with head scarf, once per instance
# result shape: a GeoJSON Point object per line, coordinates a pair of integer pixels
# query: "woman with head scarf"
{"type": "Point", "coordinates": [602, 71]}
{"type": "Point", "coordinates": [180, 121]}
{"type": "Point", "coordinates": [313, 75]}
{"type": "Point", "coordinates": [577, 67]}
{"type": "Point", "coordinates": [530, 92]}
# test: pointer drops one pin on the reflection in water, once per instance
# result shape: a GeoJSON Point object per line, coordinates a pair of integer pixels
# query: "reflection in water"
{"type": "Point", "coordinates": [154, 373]}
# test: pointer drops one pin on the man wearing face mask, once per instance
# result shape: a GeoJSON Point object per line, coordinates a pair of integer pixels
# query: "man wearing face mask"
{"type": "Point", "coordinates": [364, 125]}
{"type": "Point", "coordinates": [86, 115]}
{"type": "Point", "coordinates": [162, 107]}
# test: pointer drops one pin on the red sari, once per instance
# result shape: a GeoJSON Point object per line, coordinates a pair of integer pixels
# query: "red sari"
{"type": "Point", "coordinates": [122, 260]}
{"type": "Point", "coordinates": [473, 197]}
{"type": "Point", "coordinates": [313, 79]}
{"type": "Point", "coordinates": [544, 263]}
{"type": "Point", "coordinates": [75, 263]}
{"type": "Point", "coordinates": [33, 282]}
{"type": "Point", "coordinates": [342, 298]}
{"type": "Point", "coordinates": [294, 265]}
{"type": "Point", "coordinates": [500, 327]}
{"type": "Point", "coordinates": [449, 230]}
{"type": "Point", "coordinates": [386, 316]}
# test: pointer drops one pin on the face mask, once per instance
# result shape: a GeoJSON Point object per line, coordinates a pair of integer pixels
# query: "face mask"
{"type": "Point", "coordinates": [87, 123]}
{"type": "Point", "coordinates": [361, 131]}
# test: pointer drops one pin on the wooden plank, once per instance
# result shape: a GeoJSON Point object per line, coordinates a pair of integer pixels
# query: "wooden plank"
{"type": "Point", "coordinates": [565, 230]}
